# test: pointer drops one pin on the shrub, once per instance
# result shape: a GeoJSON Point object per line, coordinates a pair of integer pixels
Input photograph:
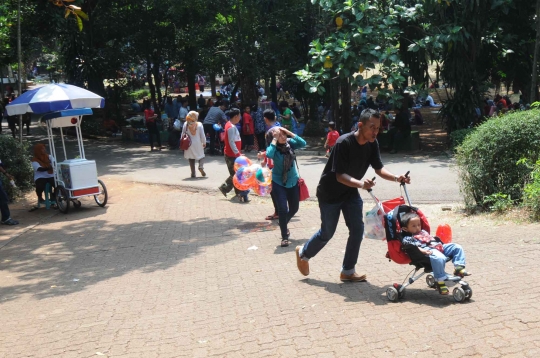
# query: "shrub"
{"type": "Point", "coordinates": [486, 160]}
{"type": "Point", "coordinates": [458, 136]}
{"type": "Point", "coordinates": [531, 191]}
{"type": "Point", "coordinates": [140, 94]}
{"type": "Point", "coordinates": [16, 159]}
{"type": "Point", "coordinates": [499, 202]}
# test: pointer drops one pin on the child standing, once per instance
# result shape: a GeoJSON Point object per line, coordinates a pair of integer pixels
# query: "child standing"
{"type": "Point", "coordinates": [413, 235]}
{"type": "Point", "coordinates": [331, 138]}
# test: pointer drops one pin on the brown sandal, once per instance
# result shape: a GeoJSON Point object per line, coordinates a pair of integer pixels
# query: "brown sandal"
{"type": "Point", "coordinates": [272, 217]}
{"type": "Point", "coordinates": [285, 242]}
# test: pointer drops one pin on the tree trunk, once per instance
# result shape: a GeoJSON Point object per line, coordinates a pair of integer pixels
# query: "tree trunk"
{"type": "Point", "coordinates": [191, 72]}
{"type": "Point", "coordinates": [249, 91]}
{"type": "Point", "coordinates": [157, 78]}
{"type": "Point", "coordinates": [1, 85]}
{"type": "Point", "coordinates": [345, 105]}
{"type": "Point", "coordinates": [534, 90]}
{"type": "Point", "coordinates": [334, 101]}
{"type": "Point", "coordinates": [267, 87]}
{"type": "Point", "coordinates": [273, 89]}
{"type": "Point", "coordinates": [166, 80]}
{"type": "Point", "coordinates": [152, 87]}
{"type": "Point", "coordinates": [213, 84]}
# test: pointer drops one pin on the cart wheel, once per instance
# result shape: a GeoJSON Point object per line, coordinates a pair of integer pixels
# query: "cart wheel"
{"type": "Point", "coordinates": [62, 199]}
{"type": "Point", "coordinates": [76, 204]}
{"type": "Point", "coordinates": [101, 198]}
{"type": "Point", "coordinates": [459, 294]}
{"type": "Point", "coordinates": [430, 280]}
{"type": "Point", "coordinates": [392, 294]}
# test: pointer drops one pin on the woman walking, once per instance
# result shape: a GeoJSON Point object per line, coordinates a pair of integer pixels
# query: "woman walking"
{"type": "Point", "coordinates": [284, 175]}
{"type": "Point", "coordinates": [195, 132]}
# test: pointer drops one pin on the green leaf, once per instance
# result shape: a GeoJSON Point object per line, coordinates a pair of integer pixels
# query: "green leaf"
{"type": "Point", "coordinates": [82, 14]}
{"type": "Point", "coordinates": [79, 22]}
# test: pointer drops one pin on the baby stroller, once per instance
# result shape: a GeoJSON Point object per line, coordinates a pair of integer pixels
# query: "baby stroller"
{"type": "Point", "coordinates": [219, 143]}
{"type": "Point", "coordinates": [392, 211]}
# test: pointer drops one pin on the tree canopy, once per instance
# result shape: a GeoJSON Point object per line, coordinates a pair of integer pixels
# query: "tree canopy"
{"type": "Point", "coordinates": [476, 44]}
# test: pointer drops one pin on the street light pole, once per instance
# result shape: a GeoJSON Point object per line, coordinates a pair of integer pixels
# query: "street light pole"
{"type": "Point", "coordinates": [19, 66]}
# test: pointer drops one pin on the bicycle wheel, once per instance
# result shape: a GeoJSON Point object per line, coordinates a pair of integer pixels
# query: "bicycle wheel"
{"type": "Point", "coordinates": [101, 198]}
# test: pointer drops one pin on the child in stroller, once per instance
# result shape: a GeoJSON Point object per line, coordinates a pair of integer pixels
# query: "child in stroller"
{"type": "Point", "coordinates": [414, 237]}
{"type": "Point", "coordinates": [404, 249]}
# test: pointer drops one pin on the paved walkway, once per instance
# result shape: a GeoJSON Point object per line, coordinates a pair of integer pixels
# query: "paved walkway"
{"type": "Point", "coordinates": [162, 272]}
{"type": "Point", "coordinates": [167, 272]}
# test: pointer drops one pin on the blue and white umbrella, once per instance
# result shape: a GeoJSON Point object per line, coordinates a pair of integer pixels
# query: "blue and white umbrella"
{"type": "Point", "coordinates": [54, 97]}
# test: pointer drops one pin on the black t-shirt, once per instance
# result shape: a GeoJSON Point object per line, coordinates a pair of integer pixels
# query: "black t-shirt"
{"type": "Point", "coordinates": [347, 157]}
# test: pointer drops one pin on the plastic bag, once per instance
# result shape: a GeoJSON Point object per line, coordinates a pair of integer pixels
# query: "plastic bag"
{"type": "Point", "coordinates": [373, 225]}
{"type": "Point", "coordinates": [177, 125]}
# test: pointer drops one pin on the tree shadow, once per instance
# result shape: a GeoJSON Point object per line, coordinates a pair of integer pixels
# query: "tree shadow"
{"type": "Point", "coordinates": [70, 254]}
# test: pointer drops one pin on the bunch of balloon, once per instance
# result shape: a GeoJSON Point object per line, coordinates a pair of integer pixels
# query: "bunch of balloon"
{"type": "Point", "coordinates": [252, 176]}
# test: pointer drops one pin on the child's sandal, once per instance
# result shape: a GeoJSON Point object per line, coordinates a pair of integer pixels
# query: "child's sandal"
{"type": "Point", "coordinates": [443, 290]}
{"type": "Point", "coordinates": [461, 272]}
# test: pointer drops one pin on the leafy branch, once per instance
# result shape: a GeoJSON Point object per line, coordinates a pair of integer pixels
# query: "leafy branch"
{"type": "Point", "coordinates": [71, 9]}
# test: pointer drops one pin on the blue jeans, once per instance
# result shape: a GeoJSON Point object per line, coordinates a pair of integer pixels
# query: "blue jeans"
{"type": "Point", "coordinates": [352, 212]}
{"type": "Point", "coordinates": [287, 202]}
{"type": "Point", "coordinates": [4, 209]}
{"type": "Point", "coordinates": [438, 259]}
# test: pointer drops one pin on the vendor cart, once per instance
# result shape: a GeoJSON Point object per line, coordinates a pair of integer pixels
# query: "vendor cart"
{"type": "Point", "coordinates": [62, 106]}
{"type": "Point", "coordinates": [74, 178]}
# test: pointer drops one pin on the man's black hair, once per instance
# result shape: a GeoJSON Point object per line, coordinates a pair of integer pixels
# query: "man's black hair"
{"type": "Point", "coordinates": [269, 114]}
{"type": "Point", "coordinates": [332, 125]}
{"type": "Point", "coordinates": [233, 112]}
{"type": "Point", "coordinates": [367, 114]}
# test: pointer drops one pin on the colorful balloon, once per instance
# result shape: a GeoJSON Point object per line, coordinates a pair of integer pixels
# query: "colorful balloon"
{"type": "Point", "coordinates": [263, 176]}
{"type": "Point", "coordinates": [240, 186]}
{"type": "Point", "coordinates": [444, 232]}
{"type": "Point", "coordinates": [241, 161]}
{"type": "Point", "coordinates": [262, 190]}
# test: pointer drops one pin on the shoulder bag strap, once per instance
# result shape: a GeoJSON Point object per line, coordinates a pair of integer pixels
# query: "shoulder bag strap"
{"type": "Point", "coordinates": [297, 168]}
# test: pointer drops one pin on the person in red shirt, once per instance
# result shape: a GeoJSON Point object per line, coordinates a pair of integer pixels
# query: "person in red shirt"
{"type": "Point", "coordinates": [248, 129]}
{"type": "Point", "coordinates": [150, 120]}
{"type": "Point", "coordinates": [331, 138]}
{"type": "Point", "coordinates": [233, 143]}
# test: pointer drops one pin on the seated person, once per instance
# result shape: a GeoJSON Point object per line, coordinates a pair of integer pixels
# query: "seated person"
{"type": "Point", "coordinates": [135, 107]}
{"type": "Point", "coordinates": [42, 163]}
{"type": "Point", "coordinates": [401, 128]}
{"type": "Point", "coordinates": [430, 102]}
{"type": "Point", "coordinates": [418, 118]}
{"type": "Point", "coordinates": [413, 235]}
{"type": "Point", "coordinates": [110, 125]}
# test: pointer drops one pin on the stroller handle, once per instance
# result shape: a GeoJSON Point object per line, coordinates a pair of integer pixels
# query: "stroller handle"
{"type": "Point", "coordinates": [370, 191]}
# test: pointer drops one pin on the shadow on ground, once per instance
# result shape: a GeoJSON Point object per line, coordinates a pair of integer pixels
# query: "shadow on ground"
{"type": "Point", "coordinates": [81, 253]}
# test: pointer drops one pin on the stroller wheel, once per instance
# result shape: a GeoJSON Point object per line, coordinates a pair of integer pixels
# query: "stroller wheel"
{"type": "Point", "coordinates": [468, 292]}
{"type": "Point", "coordinates": [459, 294]}
{"type": "Point", "coordinates": [430, 280]}
{"type": "Point", "coordinates": [392, 294]}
